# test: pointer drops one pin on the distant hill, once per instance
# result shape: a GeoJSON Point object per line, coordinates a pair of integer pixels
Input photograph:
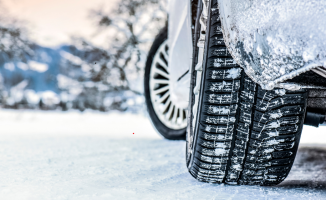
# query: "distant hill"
{"type": "Point", "coordinates": [52, 78]}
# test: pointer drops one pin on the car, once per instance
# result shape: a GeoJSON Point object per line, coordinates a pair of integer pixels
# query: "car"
{"type": "Point", "coordinates": [238, 79]}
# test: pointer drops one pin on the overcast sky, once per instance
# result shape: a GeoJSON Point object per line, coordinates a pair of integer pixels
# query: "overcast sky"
{"type": "Point", "coordinates": [52, 22]}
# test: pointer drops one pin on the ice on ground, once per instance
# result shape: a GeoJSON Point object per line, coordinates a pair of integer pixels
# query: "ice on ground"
{"type": "Point", "coordinates": [93, 155]}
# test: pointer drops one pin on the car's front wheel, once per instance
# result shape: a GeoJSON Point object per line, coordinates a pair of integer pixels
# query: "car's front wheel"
{"type": "Point", "coordinates": [238, 132]}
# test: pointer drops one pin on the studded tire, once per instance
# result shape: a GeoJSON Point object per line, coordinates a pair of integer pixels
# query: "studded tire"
{"type": "Point", "coordinates": [242, 134]}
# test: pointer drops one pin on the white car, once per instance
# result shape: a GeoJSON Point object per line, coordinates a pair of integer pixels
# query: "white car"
{"type": "Point", "coordinates": [238, 79]}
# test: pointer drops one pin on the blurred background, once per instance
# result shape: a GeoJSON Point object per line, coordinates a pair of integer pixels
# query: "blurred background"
{"type": "Point", "coordinates": [76, 54]}
{"type": "Point", "coordinates": [73, 122]}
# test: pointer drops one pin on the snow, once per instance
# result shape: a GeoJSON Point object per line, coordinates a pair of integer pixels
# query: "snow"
{"type": "Point", "coordinates": [275, 40]}
{"type": "Point", "coordinates": [74, 59]}
{"type": "Point", "coordinates": [237, 167]}
{"type": "Point", "coordinates": [273, 142]}
{"type": "Point", "coordinates": [234, 73]}
{"type": "Point", "coordinates": [219, 110]}
{"type": "Point", "coordinates": [272, 133]}
{"type": "Point", "coordinates": [31, 97]}
{"type": "Point", "coordinates": [17, 92]}
{"type": "Point", "coordinates": [280, 92]}
{"type": "Point", "coordinates": [37, 66]}
{"type": "Point", "coordinates": [275, 124]}
{"type": "Point", "coordinates": [50, 98]}
{"type": "Point", "coordinates": [9, 66]}
{"type": "Point", "coordinates": [22, 66]}
{"type": "Point", "coordinates": [208, 128]}
{"type": "Point", "coordinates": [275, 115]}
{"type": "Point", "coordinates": [219, 152]}
{"type": "Point", "coordinates": [66, 83]}
{"type": "Point", "coordinates": [93, 155]}
{"type": "Point", "coordinates": [217, 64]}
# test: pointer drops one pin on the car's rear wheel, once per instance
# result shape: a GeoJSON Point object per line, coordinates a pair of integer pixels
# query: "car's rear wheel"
{"type": "Point", "coordinates": [238, 133]}
{"type": "Point", "coordinates": [168, 118]}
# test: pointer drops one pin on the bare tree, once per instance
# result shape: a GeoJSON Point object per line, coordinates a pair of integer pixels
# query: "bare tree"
{"type": "Point", "coordinates": [15, 46]}
{"type": "Point", "coordinates": [131, 27]}
{"type": "Point", "coordinates": [14, 40]}
{"type": "Point", "coordinates": [116, 68]}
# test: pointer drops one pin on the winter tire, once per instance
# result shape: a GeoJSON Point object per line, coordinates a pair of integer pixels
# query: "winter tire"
{"type": "Point", "coordinates": [237, 132]}
{"type": "Point", "coordinates": [168, 120]}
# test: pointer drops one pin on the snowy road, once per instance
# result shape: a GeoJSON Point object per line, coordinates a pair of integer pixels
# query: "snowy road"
{"type": "Point", "coordinates": [56, 155]}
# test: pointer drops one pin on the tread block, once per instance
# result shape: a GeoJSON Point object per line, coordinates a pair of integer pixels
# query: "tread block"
{"type": "Point", "coordinates": [214, 144]}
{"type": "Point", "coordinates": [218, 51]}
{"type": "Point", "coordinates": [210, 166]}
{"type": "Point", "coordinates": [264, 134]}
{"type": "Point", "coordinates": [223, 86]}
{"type": "Point", "coordinates": [280, 161]}
{"type": "Point", "coordinates": [278, 169]}
{"type": "Point", "coordinates": [217, 41]}
{"type": "Point", "coordinates": [268, 95]}
{"type": "Point", "coordinates": [249, 84]}
{"type": "Point", "coordinates": [294, 99]}
{"type": "Point", "coordinates": [286, 138]}
{"type": "Point", "coordinates": [240, 144]}
{"type": "Point", "coordinates": [221, 110]}
{"type": "Point", "coordinates": [245, 116]}
{"type": "Point", "coordinates": [243, 131]}
{"type": "Point", "coordinates": [282, 154]}
{"type": "Point", "coordinates": [283, 121]}
{"type": "Point", "coordinates": [284, 146]}
{"type": "Point", "coordinates": [216, 63]}
{"type": "Point", "coordinates": [252, 178]}
{"type": "Point", "coordinates": [213, 152]}
{"type": "Point", "coordinates": [216, 19]}
{"type": "Point", "coordinates": [233, 175]}
{"type": "Point", "coordinates": [235, 159]}
{"type": "Point", "coordinates": [246, 106]}
{"type": "Point", "coordinates": [218, 119]}
{"type": "Point", "coordinates": [221, 98]}
{"type": "Point", "coordinates": [209, 159]}
{"type": "Point", "coordinates": [216, 30]}
{"type": "Point", "coordinates": [227, 129]}
{"type": "Point", "coordinates": [237, 152]}
{"type": "Point", "coordinates": [224, 74]}
{"type": "Point", "coordinates": [248, 96]}
{"type": "Point", "coordinates": [215, 137]}
{"type": "Point", "coordinates": [276, 114]}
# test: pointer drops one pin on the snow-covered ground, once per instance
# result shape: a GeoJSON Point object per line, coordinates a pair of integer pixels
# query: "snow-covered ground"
{"type": "Point", "coordinates": [92, 155]}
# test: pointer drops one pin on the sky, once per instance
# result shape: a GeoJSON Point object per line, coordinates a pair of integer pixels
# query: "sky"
{"type": "Point", "coordinates": [53, 22]}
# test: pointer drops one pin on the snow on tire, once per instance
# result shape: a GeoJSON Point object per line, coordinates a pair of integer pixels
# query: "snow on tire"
{"type": "Point", "coordinates": [243, 134]}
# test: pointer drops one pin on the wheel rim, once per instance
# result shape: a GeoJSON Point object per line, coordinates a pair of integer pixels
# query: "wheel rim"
{"type": "Point", "coordinates": [166, 109]}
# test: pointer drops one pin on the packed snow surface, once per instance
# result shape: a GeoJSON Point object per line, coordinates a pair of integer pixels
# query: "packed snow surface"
{"type": "Point", "coordinates": [275, 40]}
{"type": "Point", "coordinates": [92, 155]}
